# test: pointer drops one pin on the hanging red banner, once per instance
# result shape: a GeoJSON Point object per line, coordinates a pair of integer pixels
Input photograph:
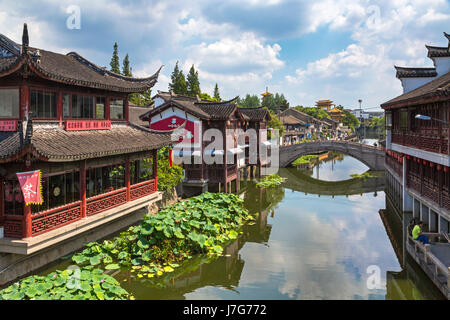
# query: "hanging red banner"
{"type": "Point", "coordinates": [8, 125]}
{"type": "Point", "coordinates": [30, 183]}
{"type": "Point", "coordinates": [77, 125]}
{"type": "Point", "coordinates": [170, 158]}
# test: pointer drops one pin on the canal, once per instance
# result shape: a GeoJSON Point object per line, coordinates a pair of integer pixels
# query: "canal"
{"type": "Point", "coordinates": [313, 239]}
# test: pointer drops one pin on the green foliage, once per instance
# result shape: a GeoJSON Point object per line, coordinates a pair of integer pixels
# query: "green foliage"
{"type": "Point", "coordinates": [274, 123]}
{"type": "Point", "coordinates": [202, 224]}
{"type": "Point", "coordinates": [168, 177]}
{"type": "Point", "coordinates": [317, 113]}
{"type": "Point", "coordinates": [350, 120]}
{"type": "Point", "coordinates": [375, 121]}
{"type": "Point", "coordinates": [305, 159]}
{"type": "Point", "coordinates": [115, 64]}
{"type": "Point", "coordinates": [270, 181]}
{"type": "Point", "coordinates": [178, 81]}
{"type": "Point", "coordinates": [80, 284]}
{"type": "Point", "coordinates": [250, 101]}
{"type": "Point", "coordinates": [206, 96]}
{"type": "Point", "coordinates": [126, 69]}
{"type": "Point", "coordinates": [275, 102]}
{"type": "Point", "coordinates": [141, 99]}
{"type": "Point", "coordinates": [217, 93]}
{"type": "Point", "coordinates": [366, 175]}
{"type": "Point", "coordinates": [193, 83]}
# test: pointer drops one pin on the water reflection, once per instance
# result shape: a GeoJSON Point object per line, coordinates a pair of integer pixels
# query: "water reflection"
{"type": "Point", "coordinates": [302, 246]}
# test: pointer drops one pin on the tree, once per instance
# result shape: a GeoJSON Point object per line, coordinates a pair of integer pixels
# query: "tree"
{"type": "Point", "coordinates": [115, 64]}
{"type": "Point", "coordinates": [249, 101]}
{"type": "Point", "coordinates": [216, 93]}
{"type": "Point", "coordinates": [141, 99]}
{"type": "Point", "coordinates": [274, 123]}
{"type": "Point", "coordinates": [313, 112]}
{"type": "Point", "coordinates": [206, 96]}
{"type": "Point", "coordinates": [350, 120]}
{"type": "Point", "coordinates": [178, 81]}
{"type": "Point", "coordinates": [275, 102]}
{"type": "Point", "coordinates": [193, 84]}
{"type": "Point", "coordinates": [126, 70]}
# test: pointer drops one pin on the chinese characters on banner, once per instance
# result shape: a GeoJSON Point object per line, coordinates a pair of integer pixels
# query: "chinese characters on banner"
{"type": "Point", "coordinates": [30, 183]}
{"type": "Point", "coordinates": [8, 125]}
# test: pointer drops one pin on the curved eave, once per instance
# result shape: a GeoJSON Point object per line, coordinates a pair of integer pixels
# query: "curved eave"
{"type": "Point", "coordinates": [171, 103]}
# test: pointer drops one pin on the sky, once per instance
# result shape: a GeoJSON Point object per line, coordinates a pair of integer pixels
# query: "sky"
{"type": "Point", "coordinates": [343, 50]}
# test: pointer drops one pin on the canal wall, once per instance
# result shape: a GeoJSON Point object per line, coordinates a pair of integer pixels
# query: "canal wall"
{"type": "Point", "coordinates": [14, 266]}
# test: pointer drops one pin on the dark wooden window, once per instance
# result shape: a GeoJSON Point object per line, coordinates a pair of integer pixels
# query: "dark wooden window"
{"type": "Point", "coordinates": [117, 109]}
{"type": "Point", "coordinates": [104, 179]}
{"type": "Point", "coordinates": [82, 107]}
{"type": "Point", "coordinates": [13, 199]}
{"type": "Point", "coordinates": [43, 104]}
{"type": "Point", "coordinates": [141, 170]}
{"type": "Point", "coordinates": [100, 108]}
{"type": "Point", "coordinates": [58, 190]}
{"type": "Point", "coordinates": [66, 105]}
{"type": "Point", "coordinates": [404, 119]}
{"type": "Point", "coordinates": [9, 103]}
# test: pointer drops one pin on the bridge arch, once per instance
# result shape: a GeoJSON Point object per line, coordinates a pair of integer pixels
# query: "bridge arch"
{"type": "Point", "coordinates": [371, 156]}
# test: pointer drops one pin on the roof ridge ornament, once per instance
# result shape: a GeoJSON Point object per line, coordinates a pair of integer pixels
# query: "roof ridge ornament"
{"type": "Point", "coordinates": [25, 39]}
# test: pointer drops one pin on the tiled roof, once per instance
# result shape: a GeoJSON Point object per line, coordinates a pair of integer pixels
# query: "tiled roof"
{"type": "Point", "coordinates": [9, 144]}
{"type": "Point", "coordinates": [404, 72]}
{"type": "Point", "coordinates": [73, 69]}
{"type": "Point", "coordinates": [291, 120]}
{"type": "Point", "coordinates": [254, 114]}
{"type": "Point", "coordinates": [135, 112]}
{"type": "Point", "coordinates": [438, 51]}
{"type": "Point", "coordinates": [437, 87]}
{"type": "Point", "coordinates": [203, 109]}
{"type": "Point", "coordinates": [57, 144]}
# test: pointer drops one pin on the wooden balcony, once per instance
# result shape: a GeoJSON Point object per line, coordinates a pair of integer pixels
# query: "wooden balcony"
{"type": "Point", "coordinates": [424, 141]}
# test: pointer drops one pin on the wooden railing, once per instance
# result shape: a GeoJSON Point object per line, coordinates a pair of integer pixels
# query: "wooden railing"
{"type": "Point", "coordinates": [106, 201]}
{"type": "Point", "coordinates": [142, 189]}
{"type": "Point", "coordinates": [431, 143]}
{"type": "Point", "coordinates": [13, 226]}
{"type": "Point", "coordinates": [429, 189]}
{"type": "Point", "coordinates": [394, 165]}
{"type": "Point", "coordinates": [55, 218]}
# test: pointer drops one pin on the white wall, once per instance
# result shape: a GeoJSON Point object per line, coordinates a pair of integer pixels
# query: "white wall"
{"type": "Point", "coordinates": [410, 84]}
{"type": "Point", "coordinates": [442, 65]}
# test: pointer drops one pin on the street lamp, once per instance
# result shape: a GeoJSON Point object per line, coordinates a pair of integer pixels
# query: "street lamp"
{"type": "Point", "coordinates": [422, 117]}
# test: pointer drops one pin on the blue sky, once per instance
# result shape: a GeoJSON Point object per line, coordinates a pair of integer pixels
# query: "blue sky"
{"type": "Point", "coordinates": [341, 50]}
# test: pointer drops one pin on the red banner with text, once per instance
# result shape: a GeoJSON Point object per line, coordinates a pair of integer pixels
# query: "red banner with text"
{"type": "Point", "coordinates": [30, 183]}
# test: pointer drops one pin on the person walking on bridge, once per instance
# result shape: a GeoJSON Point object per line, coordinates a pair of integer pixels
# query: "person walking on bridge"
{"type": "Point", "coordinates": [418, 235]}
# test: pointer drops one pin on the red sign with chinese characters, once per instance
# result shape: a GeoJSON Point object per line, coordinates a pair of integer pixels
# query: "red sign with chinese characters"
{"type": "Point", "coordinates": [173, 122]}
{"type": "Point", "coordinates": [8, 125]}
{"type": "Point", "coordinates": [75, 125]}
{"type": "Point", "coordinates": [30, 183]}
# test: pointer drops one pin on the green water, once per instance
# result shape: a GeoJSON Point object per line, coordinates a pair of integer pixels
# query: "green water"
{"type": "Point", "coordinates": [313, 240]}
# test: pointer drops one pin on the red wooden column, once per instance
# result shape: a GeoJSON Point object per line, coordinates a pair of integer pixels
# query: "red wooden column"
{"type": "Point", "coordinates": [127, 179]}
{"type": "Point", "coordinates": [127, 113]}
{"type": "Point", "coordinates": [83, 188]}
{"type": "Point", "coordinates": [155, 168]}
{"type": "Point", "coordinates": [225, 162]}
{"type": "Point", "coordinates": [27, 223]}
{"type": "Point", "coordinates": [24, 102]}
{"type": "Point", "coordinates": [2, 214]}
{"type": "Point", "coordinates": [107, 109]}
{"type": "Point", "coordinates": [59, 108]}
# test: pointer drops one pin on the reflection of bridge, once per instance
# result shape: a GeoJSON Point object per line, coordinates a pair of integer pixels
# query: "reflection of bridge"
{"type": "Point", "coordinates": [369, 155]}
{"type": "Point", "coordinates": [299, 181]}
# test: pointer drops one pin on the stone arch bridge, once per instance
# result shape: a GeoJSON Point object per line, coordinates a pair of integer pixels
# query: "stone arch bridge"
{"type": "Point", "coordinates": [371, 156]}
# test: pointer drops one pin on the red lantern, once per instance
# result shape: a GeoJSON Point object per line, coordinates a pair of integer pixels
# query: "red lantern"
{"type": "Point", "coordinates": [425, 162]}
{"type": "Point", "coordinates": [446, 169]}
{"type": "Point", "coordinates": [439, 167]}
{"type": "Point", "coordinates": [431, 164]}
{"type": "Point", "coordinates": [408, 157]}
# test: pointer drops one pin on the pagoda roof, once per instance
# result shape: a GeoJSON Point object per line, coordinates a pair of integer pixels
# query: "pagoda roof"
{"type": "Point", "coordinates": [408, 72]}
{"type": "Point", "coordinates": [436, 88]}
{"type": "Point", "coordinates": [335, 110]}
{"type": "Point", "coordinates": [71, 69]}
{"type": "Point", "coordinates": [54, 144]}
{"type": "Point", "coordinates": [255, 114]}
{"type": "Point", "coordinates": [438, 51]}
{"type": "Point", "coordinates": [134, 113]}
{"type": "Point", "coordinates": [204, 109]}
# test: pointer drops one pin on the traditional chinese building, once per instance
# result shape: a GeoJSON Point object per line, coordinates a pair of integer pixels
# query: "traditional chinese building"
{"type": "Point", "coordinates": [324, 104]}
{"type": "Point", "coordinates": [295, 130]}
{"type": "Point", "coordinates": [195, 117]}
{"type": "Point", "coordinates": [69, 118]}
{"type": "Point", "coordinates": [418, 156]}
{"type": "Point", "coordinates": [336, 114]}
